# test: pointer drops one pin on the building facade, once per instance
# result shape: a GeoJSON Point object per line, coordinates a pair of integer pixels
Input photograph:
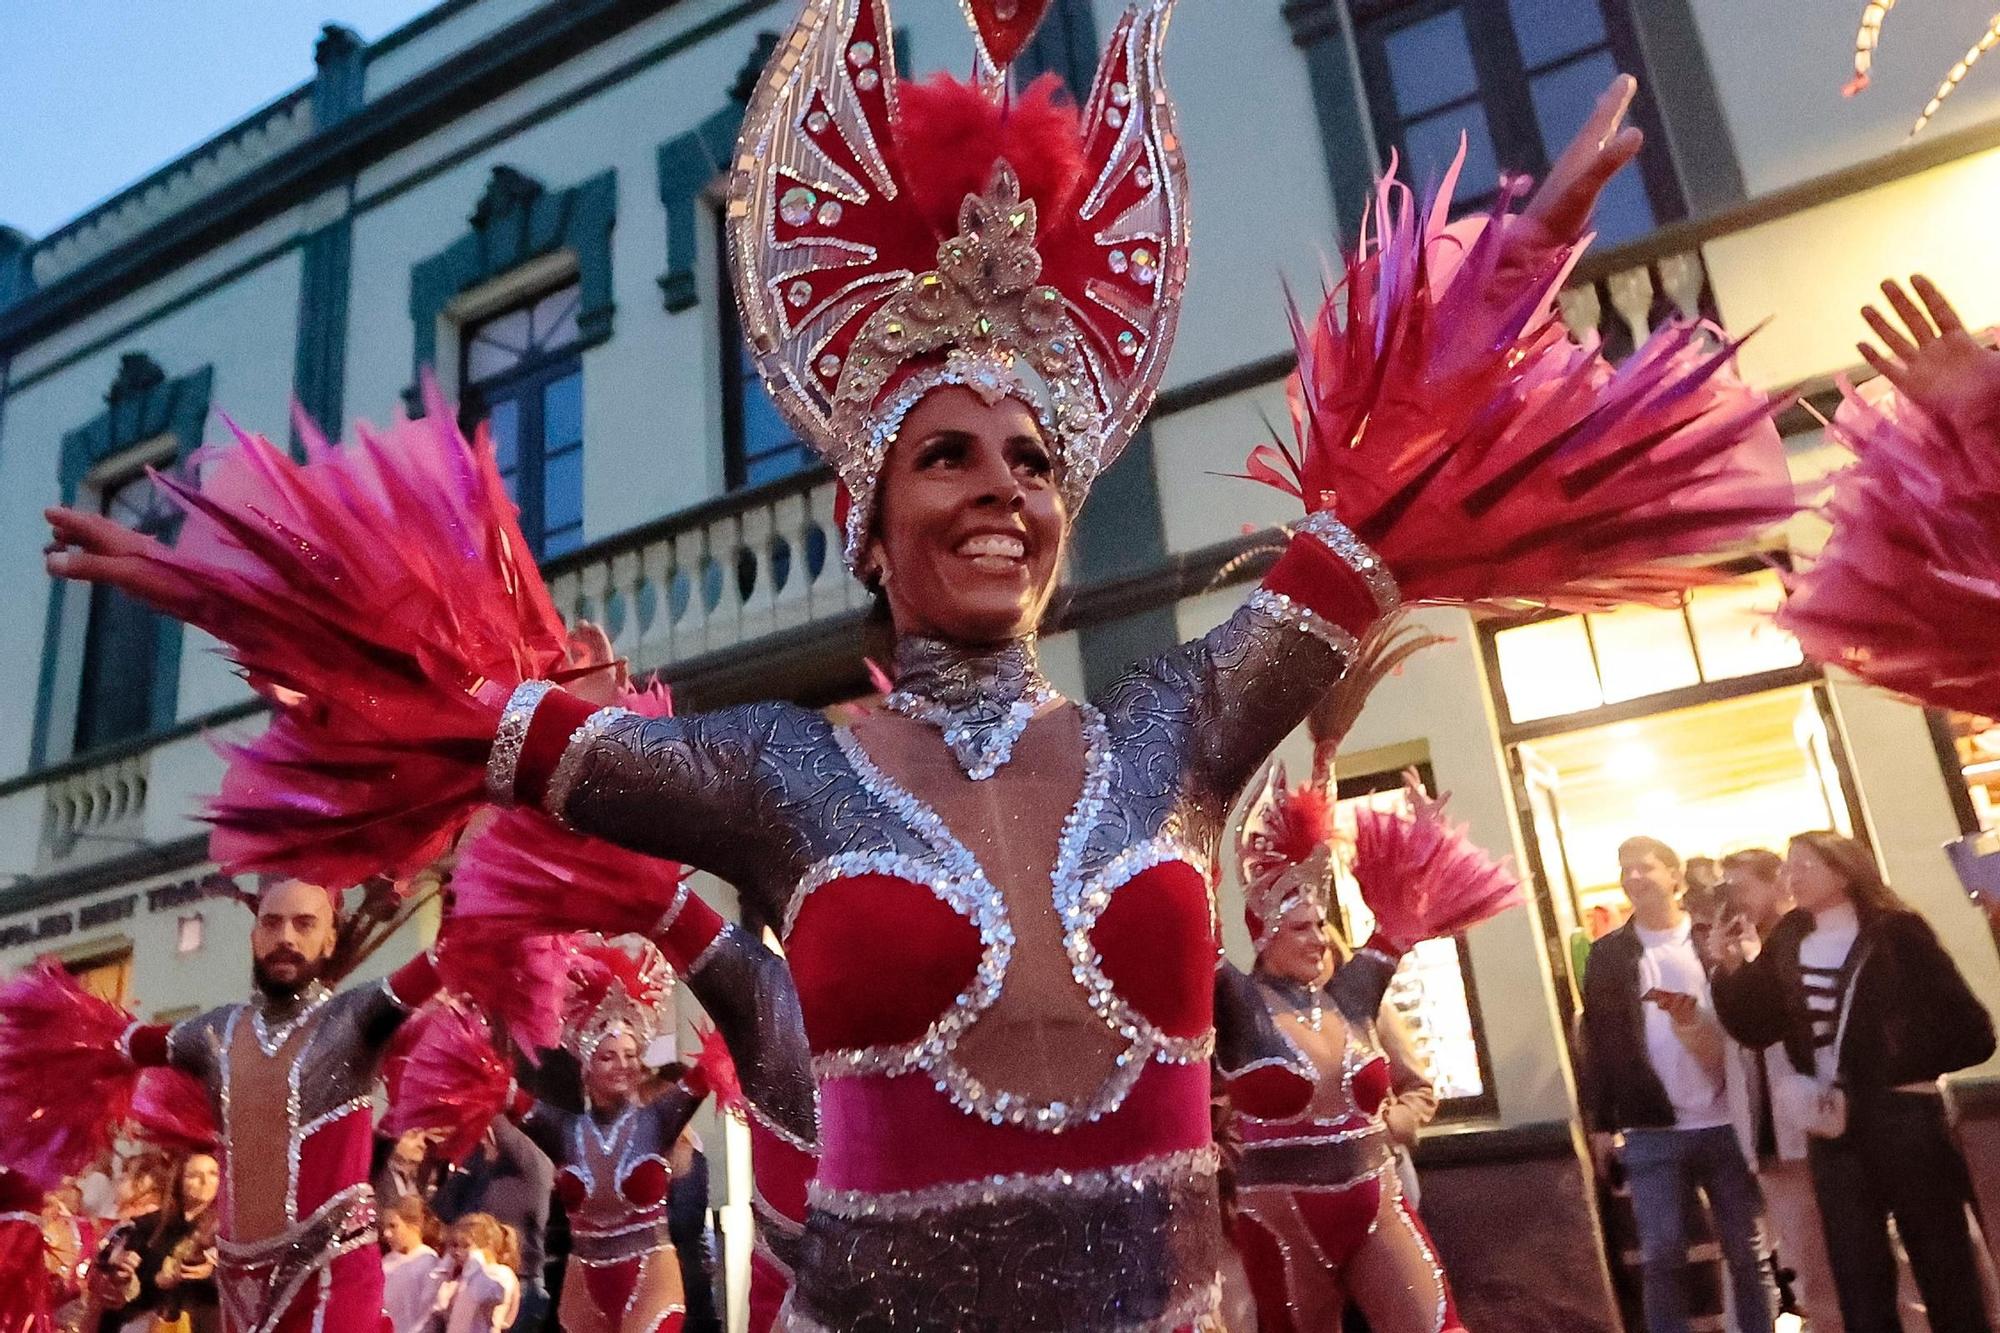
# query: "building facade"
{"type": "Point", "coordinates": [525, 196]}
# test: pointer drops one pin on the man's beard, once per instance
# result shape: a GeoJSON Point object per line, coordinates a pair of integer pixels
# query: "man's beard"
{"type": "Point", "coordinates": [281, 989]}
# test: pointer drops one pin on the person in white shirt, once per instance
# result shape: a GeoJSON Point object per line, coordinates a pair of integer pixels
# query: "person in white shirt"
{"type": "Point", "coordinates": [1653, 1070]}
{"type": "Point", "coordinates": [475, 1287]}
{"type": "Point", "coordinates": [407, 1262]}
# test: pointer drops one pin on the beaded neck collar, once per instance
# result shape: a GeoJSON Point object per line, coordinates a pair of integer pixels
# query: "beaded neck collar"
{"type": "Point", "coordinates": [980, 699]}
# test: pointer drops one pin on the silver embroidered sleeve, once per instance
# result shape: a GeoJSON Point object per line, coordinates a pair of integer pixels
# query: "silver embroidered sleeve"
{"type": "Point", "coordinates": [1222, 703]}
{"type": "Point", "coordinates": [748, 992]}
{"type": "Point", "coordinates": [1358, 987]}
{"type": "Point", "coordinates": [691, 789]}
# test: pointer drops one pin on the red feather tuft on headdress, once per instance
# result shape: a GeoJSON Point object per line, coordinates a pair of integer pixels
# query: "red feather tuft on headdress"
{"type": "Point", "coordinates": [600, 966]}
{"type": "Point", "coordinates": [1302, 823]}
{"type": "Point", "coordinates": [950, 135]}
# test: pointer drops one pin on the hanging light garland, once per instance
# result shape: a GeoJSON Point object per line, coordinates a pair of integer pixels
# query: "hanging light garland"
{"type": "Point", "coordinates": [1868, 35]}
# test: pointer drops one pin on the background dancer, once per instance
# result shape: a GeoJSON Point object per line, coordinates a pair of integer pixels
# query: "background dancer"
{"type": "Point", "coordinates": [290, 1074]}
{"type": "Point", "coordinates": [1323, 1220]}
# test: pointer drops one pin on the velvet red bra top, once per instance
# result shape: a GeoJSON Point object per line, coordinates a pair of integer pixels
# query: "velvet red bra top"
{"type": "Point", "coordinates": [896, 955]}
{"type": "Point", "coordinates": [611, 1174]}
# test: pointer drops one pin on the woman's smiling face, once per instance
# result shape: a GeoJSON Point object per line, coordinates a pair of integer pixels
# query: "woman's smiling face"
{"type": "Point", "coordinates": [970, 526]}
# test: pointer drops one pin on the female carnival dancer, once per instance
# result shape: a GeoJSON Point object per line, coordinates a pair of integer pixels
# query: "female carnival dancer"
{"type": "Point", "coordinates": [995, 902]}
{"type": "Point", "coordinates": [1322, 1220]}
{"type": "Point", "coordinates": [611, 1157]}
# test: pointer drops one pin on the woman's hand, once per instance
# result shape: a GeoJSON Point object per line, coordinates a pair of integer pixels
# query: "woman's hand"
{"type": "Point", "coordinates": [1560, 209]}
{"type": "Point", "coordinates": [1733, 943]}
{"type": "Point", "coordinates": [1423, 805]}
{"type": "Point", "coordinates": [95, 549]}
{"type": "Point", "coordinates": [605, 673]}
{"type": "Point", "coordinates": [1937, 365]}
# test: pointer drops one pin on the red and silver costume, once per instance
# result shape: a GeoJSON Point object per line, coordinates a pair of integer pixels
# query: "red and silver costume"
{"type": "Point", "coordinates": [613, 1173]}
{"type": "Point", "coordinates": [1322, 1220]}
{"type": "Point", "coordinates": [292, 1087]}
{"type": "Point", "coordinates": [612, 1168]}
{"type": "Point", "coordinates": [979, 1076]}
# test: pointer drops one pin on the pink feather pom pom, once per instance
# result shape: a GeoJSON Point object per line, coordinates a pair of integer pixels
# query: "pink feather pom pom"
{"type": "Point", "coordinates": [1423, 878]}
{"type": "Point", "coordinates": [171, 1110]}
{"type": "Point", "coordinates": [451, 1080]}
{"type": "Point", "coordinates": [521, 983]}
{"type": "Point", "coordinates": [382, 595]}
{"type": "Point", "coordinates": [66, 1082]}
{"type": "Point", "coordinates": [1906, 592]}
{"type": "Point", "coordinates": [1442, 413]}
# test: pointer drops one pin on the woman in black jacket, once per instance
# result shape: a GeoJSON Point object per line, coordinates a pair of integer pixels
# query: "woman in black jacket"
{"type": "Point", "coordinates": [159, 1269]}
{"type": "Point", "coordinates": [1865, 1000]}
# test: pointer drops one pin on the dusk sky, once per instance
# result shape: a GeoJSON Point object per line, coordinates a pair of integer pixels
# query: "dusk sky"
{"type": "Point", "coordinates": [94, 94]}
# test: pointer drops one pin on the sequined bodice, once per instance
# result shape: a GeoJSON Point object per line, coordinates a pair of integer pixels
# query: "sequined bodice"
{"type": "Point", "coordinates": [1133, 916]}
{"type": "Point", "coordinates": [1353, 1074]}
{"type": "Point", "coordinates": [613, 1172]}
{"type": "Point", "coordinates": [292, 1092]}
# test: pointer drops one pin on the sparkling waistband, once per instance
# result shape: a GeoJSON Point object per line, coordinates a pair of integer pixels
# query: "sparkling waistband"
{"type": "Point", "coordinates": [1107, 1251]}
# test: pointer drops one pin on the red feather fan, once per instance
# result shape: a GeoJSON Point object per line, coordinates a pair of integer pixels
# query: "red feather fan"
{"type": "Point", "coordinates": [714, 1074]}
{"type": "Point", "coordinates": [451, 1079]}
{"type": "Point", "coordinates": [383, 596]}
{"type": "Point", "coordinates": [171, 1110]}
{"type": "Point", "coordinates": [1423, 877]}
{"type": "Point", "coordinates": [1443, 414]}
{"type": "Point", "coordinates": [66, 1082]}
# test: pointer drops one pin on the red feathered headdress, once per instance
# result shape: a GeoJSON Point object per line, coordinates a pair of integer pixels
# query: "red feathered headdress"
{"type": "Point", "coordinates": [888, 239]}
{"type": "Point", "coordinates": [616, 987]}
{"type": "Point", "coordinates": [1284, 852]}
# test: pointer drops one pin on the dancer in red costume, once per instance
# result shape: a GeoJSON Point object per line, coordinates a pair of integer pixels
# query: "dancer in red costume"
{"type": "Point", "coordinates": [995, 901]}
{"type": "Point", "coordinates": [1322, 1219]}
{"type": "Point", "coordinates": [289, 1073]}
{"type": "Point", "coordinates": [612, 1158]}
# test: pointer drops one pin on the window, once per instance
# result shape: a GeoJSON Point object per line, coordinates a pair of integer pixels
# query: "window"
{"type": "Point", "coordinates": [121, 646]}
{"type": "Point", "coordinates": [1432, 989]}
{"type": "Point", "coordinates": [759, 446]}
{"type": "Point", "coordinates": [1973, 743]}
{"type": "Point", "coordinates": [522, 376]}
{"type": "Point", "coordinates": [1516, 78]}
{"type": "Point", "coordinates": [1569, 664]}
{"type": "Point", "coordinates": [106, 976]}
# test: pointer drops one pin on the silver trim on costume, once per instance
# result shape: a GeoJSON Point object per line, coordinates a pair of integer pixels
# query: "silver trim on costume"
{"type": "Point", "coordinates": [503, 761]}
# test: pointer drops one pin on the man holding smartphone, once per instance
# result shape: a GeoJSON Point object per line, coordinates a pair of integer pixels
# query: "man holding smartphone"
{"type": "Point", "coordinates": [1653, 1071]}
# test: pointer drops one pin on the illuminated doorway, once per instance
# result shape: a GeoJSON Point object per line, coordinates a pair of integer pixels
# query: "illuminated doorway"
{"type": "Point", "coordinates": [1707, 780]}
{"type": "Point", "coordinates": [1701, 725]}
